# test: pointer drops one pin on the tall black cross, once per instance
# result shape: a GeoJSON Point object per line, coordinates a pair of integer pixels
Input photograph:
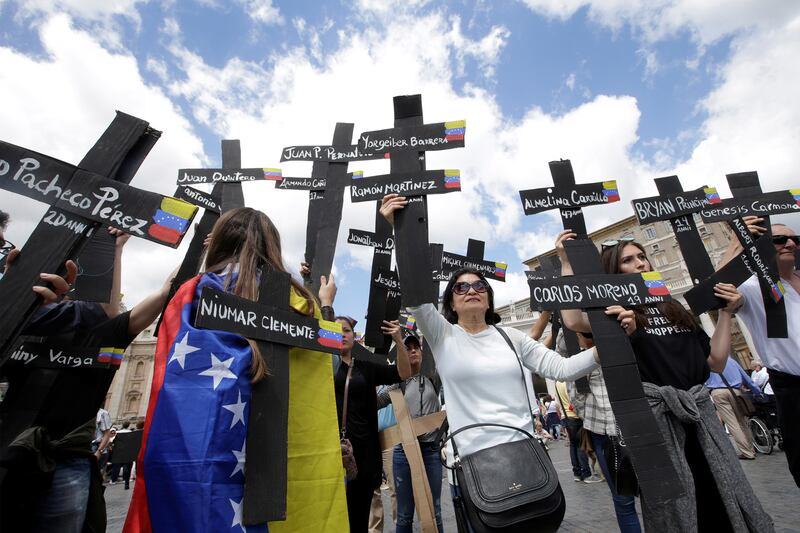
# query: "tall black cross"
{"type": "Point", "coordinates": [276, 328]}
{"type": "Point", "coordinates": [380, 305]}
{"type": "Point", "coordinates": [407, 143]}
{"type": "Point", "coordinates": [329, 170]}
{"type": "Point", "coordinates": [678, 206]}
{"type": "Point", "coordinates": [654, 469]}
{"type": "Point", "coordinates": [758, 255]}
{"type": "Point", "coordinates": [226, 194]}
{"type": "Point", "coordinates": [81, 199]}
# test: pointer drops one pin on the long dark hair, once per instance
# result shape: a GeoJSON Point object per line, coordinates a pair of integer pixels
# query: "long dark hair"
{"type": "Point", "coordinates": [672, 310]}
{"type": "Point", "coordinates": [447, 302]}
{"type": "Point", "coordinates": [247, 237]}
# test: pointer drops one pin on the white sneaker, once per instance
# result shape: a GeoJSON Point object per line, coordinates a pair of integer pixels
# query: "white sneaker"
{"type": "Point", "coordinates": [593, 479]}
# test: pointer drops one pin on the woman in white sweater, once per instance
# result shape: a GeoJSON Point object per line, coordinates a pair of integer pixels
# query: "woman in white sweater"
{"type": "Point", "coordinates": [480, 373]}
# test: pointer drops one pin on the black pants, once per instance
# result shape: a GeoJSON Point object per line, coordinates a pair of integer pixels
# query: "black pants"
{"type": "Point", "coordinates": [580, 462]}
{"type": "Point", "coordinates": [787, 397]}
{"type": "Point", "coordinates": [126, 471]}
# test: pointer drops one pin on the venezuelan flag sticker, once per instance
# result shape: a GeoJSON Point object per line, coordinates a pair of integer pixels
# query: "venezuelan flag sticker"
{"type": "Point", "coordinates": [330, 334]}
{"type": "Point", "coordinates": [796, 194]}
{"type": "Point", "coordinates": [455, 130]}
{"type": "Point", "coordinates": [171, 221]}
{"type": "Point", "coordinates": [777, 291]}
{"type": "Point", "coordinates": [452, 179]}
{"type": "Point", "coordinates": [712, 195]}
{"type": "Point", "coordinates": [358, 174]}
{"type": "Point", "coordinates": [272, 174]}
{"type": "Point", "coordinates": [610, 190]}
{"type": "Point", "coordinates": [500, 269]}
{"type": "Point", "coordinates": [655, 283]}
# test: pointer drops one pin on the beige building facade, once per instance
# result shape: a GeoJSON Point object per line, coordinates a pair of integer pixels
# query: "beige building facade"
{"type": "Point", "coordinates": [129, 393]}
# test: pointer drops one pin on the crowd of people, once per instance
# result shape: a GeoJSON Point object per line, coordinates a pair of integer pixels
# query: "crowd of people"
{"type": "Point", "coordinates": [52, 472]}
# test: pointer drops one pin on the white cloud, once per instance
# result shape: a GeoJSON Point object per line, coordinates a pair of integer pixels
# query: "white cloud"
{"type": "Point", "coordinates": [262, 11]}
{"type": "Point", "coordinates": [654, 20]}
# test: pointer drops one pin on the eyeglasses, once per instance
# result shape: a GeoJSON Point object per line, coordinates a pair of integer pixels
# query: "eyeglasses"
{"type": "Point", "coordinates": [616, 242]}
{"type": "Point", "coordinates": [463, 287]}
{"type": "Point", "coordinates": [781, 240]}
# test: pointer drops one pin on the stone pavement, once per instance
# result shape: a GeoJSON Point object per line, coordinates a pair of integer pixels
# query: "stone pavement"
{"type": "Point", "coordinates": [589, 507]}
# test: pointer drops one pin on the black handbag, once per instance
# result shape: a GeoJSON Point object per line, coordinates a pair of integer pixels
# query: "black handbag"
{"type": "Point", "coordinates": [620, 469]}
{"type": "Point", "coordinates": [510, 487]}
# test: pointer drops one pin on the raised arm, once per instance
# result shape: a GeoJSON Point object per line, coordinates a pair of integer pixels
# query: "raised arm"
{"type": "Point", "coordinates": [145, 312]}
{"type": "Point", "coordinates": [721, 339]}
{"type": "Point", "coordinates": [112, 308]}
{"type": "Point", "coordinates": [392, 328]}
{"type": "Point", "coordinates": [573, 319]}
{"type": "Point", "coordinates": [539, 326]}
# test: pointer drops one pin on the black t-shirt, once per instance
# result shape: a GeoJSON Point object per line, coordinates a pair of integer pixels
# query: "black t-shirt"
{"type": "Point", "coordinates": [76, 394]}
{"type": "Point", "coordinates": [670, 355]}
{"type": "Point", "coordinates": [362, 409]}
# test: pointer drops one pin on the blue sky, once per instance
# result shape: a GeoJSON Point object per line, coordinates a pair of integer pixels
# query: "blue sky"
{"type": "Point", "coordinates": [627, 92]}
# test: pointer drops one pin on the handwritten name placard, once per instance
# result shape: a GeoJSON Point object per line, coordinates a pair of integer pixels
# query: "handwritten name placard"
{"type": "Point", "coordinates": [439, 136]}
{"type": "Point", "coordinates": [387, 279]}
{"type": "Point", "coordinates": [369, 238]}
{"type": "Point", "coordinates": [188, 176]}
{"type": "Point", "coordinates": [330, 154]}
{"type": "Point", "coordinates": [598, 290]}
{"type": "Point", "coordinates": [34, 354]}
{"type": "Point", "coordinates": [669, 206]}
{"type": "Point", "coordinates": [161, 219]}
{"type": "Point", "coordinates": [301, 184]}
{"type": "Point", "coordinates": [198, 198]}
{"type": "Point", "coordinates": [581, 195]}
{"type": "Point", "coordinates": [418, 183]}
{"type": "Point", "coordinates": [452, 262]}
{"type": "Point", "coordinates": [223, 311]}
{"type": "Point", "coordinates": [770, 203]}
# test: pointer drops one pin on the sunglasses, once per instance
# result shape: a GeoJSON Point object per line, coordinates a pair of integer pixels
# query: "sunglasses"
{"type": "Point", "coordinates": [781, 240]}
{"type": "Point", "coordinates": [463, 287]}
{"type": "Point", "coordinates": [616, 242]}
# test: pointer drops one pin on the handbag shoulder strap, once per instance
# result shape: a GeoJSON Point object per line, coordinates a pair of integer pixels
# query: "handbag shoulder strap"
{"type": "Point", "coordinates": [521, 371]}
{"type": "Point", "coordinates": [346, 390]}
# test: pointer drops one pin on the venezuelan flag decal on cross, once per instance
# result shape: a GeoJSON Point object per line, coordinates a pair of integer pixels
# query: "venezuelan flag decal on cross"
{"type": "Point", "coordinates": [777, 291]}
{"type": "Point", "coordinates": [452, 179]}
{"type": "Point", "coordinates": [455, 130]}
{"type": "Point", "coordinates": [358, 174]}
{"type": "Point", "coordinates": [500, 269]}
{"type": "Point", "coordinates": [330, 334]}
{"type": "Point", "coordinates": [111, 355]}
{"type": "Point", "coordinates": [272, 174]}
{"type": "Point", "coordinates": [796, 194]}
{"type": "Point", "coordinates": [172, 220]}
{"type": "Point", "coordinates": [411, 322]}
{"type": "Point", "coordinates": [610, 191]}
{"type": "Point", "coordinates": [655, 283]}
{"type": "Point", "coordinates": [712, 195]}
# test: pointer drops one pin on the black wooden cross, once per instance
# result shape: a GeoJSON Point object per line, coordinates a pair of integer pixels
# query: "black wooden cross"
{"type": "Point", "coordinates": [81, 199]}
{"type": "Point", "coordinates": [452, 262]}
{"type": "Point", "coordinates": [226, 194]}
{"type": "Point", "coordinates": [758, 255]}
{"type": "Point", "coordinates": [678, 206]}
{"type": "Point", "coordinates": [655, 471]}
{"type": "Point", "coordinates": [325, 208]}
{"type": "Point", "coordinates": [276, 327]}
{"type": "Point", "coordinates": [383, 303]}
{"type": "Point", "coordinates": [407, 143]}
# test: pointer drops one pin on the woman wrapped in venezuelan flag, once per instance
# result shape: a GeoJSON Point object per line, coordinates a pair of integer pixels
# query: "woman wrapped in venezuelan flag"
{"type": "Point", "coordinates": [191, 467]}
